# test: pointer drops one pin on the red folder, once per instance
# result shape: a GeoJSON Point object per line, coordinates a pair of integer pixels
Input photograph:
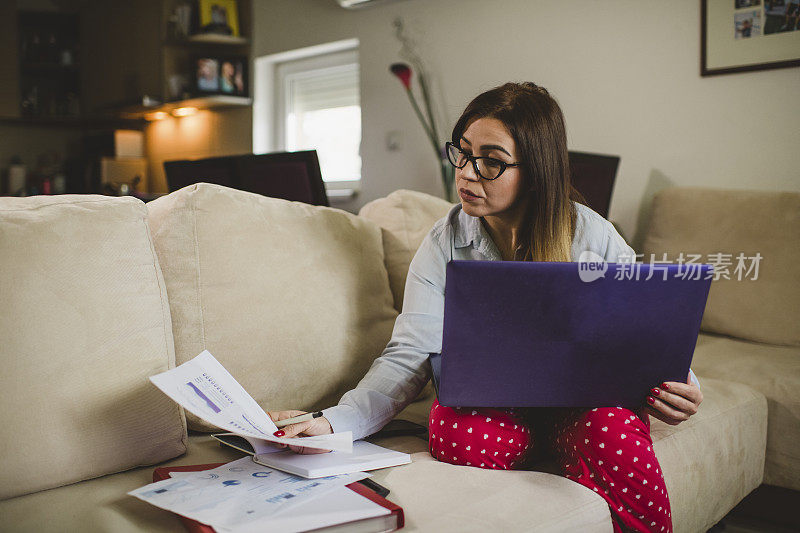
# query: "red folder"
{"type": "Point", "coordinates": [196, 527]}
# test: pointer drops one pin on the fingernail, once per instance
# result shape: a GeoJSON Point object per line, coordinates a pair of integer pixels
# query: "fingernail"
{"type": "Point", "coordinates": [650, 400]}
{"type": "Point", "coordinates": [655, 391]}
{"type": "Point", "coordinates": [665, 386]}
{"type": "Point", "coordinates": [279, 433]}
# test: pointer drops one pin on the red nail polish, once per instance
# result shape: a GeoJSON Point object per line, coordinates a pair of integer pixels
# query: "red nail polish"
{"type": "Point", "coordinates": [650, 400]}
{"type": "Point", "coordinates": [665, 386]}
{"type": "Point", "coordinates": [655, 391]}
{"type": "Point", "coordinates": [279, 433]}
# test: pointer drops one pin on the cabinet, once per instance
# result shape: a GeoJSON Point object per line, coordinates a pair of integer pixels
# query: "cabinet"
{"type": "Point", "coordinates": [49, 68]}
{"type": "Point", "coordinates": [142, 64]}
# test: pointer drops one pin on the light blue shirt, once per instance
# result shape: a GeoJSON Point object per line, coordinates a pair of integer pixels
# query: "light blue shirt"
{"type": "Point", "coordinates": [396, 378]}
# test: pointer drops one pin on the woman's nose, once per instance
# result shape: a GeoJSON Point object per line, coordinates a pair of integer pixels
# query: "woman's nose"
{"type": "Point", "coordinates": [468, 172]}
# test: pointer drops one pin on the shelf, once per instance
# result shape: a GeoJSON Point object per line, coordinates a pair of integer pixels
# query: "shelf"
{"type": "Point", "coordinates": [49, 68]}
{"type": "Point", "coordinates": [217, 101]}
{"type": "Point", "coordinates": [209, 38]}
{"type": "Point", "coordinates": [71, 122]}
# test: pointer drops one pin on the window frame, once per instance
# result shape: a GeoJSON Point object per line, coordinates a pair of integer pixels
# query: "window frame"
{"type": "Point", "coordinates": [270, 106]}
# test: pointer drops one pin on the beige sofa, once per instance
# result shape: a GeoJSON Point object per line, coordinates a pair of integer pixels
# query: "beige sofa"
{"type": "Point", "coordinates": [296, 301]}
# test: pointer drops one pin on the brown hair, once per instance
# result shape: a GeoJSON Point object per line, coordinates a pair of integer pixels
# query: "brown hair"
{"type": "Point", "coordinates": [536, 124]}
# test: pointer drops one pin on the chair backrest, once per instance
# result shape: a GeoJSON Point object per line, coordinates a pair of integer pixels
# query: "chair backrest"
{"type": "Point", "coordinates": [289, 175]}
{"type": "Point", "coordinates": [218, 170]}
{"type": "Point", "coordinates": [593, 175]}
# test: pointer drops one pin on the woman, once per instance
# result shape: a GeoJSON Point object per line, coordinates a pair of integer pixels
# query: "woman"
{"type": "Point", "coordinates": [509, 148]}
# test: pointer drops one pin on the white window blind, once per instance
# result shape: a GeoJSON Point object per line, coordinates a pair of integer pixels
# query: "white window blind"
{"type": "Point", "coordinates": [320, 109]}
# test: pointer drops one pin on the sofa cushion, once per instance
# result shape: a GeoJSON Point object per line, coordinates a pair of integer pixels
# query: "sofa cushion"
{"type": "Point", "coordinates": [710, 462]}
{"type": "Point", "coordinates": [775, 372]}
{"type": "Point", "coordinates": [435, 497]}
{"type": "Point", "coordinates": [708, 221]}
{"type": "Point", "coordinates": [102, 504]}
{"type": "Point", "coordinates": [293, 299]}
{"type": "Point", "coordinates": [715, 458]}
{"type": "Point", "coordinates": [86, 322]}
{"type": "Point", "coordinates": [405, 217]}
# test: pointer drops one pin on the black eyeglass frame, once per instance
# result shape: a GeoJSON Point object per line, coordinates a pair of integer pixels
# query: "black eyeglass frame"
{"type": "Point", "coordinates": [474, 160]}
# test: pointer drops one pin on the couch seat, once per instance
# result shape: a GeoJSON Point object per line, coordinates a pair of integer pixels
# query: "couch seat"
{"type": "Point", "coordinates": [775, 372]}
{"type": "Point", "coordinates": [709, 462]}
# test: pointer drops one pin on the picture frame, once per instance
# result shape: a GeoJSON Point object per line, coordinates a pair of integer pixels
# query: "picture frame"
{"type": "Point", "coordinates": [206, 75]}
{"type": "Point", "coordinates": [219, 16]}
{"type": "Point", "coordinates": [748, 35]}
{"type": "Point", "coordinates": [233, 76]}
{"type": "Point", "coordinates": [221, 75]}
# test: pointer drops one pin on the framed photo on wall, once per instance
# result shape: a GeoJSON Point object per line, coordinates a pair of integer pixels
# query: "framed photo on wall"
{"type": "Point", "coordinates": [747, 35]}
{"type": "Point", "coordinates": [219, 16]}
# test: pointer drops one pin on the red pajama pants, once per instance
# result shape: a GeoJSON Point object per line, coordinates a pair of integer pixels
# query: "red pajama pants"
{"type": "Point", "coordinates": [608, 450]}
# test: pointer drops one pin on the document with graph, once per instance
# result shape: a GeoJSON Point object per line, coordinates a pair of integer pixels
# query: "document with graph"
{"type": "Point", "coordinates": [203, 387]}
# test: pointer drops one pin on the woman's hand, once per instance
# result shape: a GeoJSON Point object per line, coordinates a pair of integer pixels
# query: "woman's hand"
{"type": "Point", "coordinates": [309, 428]}
{"type": "Point", "coordinates": [674, 402]}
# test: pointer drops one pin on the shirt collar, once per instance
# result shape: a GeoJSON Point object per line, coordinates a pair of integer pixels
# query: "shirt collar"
{"type": "Point", "coordinates": [470, 231]}
{"type": "Point", "coordinates": [467, 228]}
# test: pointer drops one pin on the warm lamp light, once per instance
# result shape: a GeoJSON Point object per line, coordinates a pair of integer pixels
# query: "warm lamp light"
{"type": "Point", "coordinates": [184, 111]}
{"type": "Point", "coordinates": [158, 115]}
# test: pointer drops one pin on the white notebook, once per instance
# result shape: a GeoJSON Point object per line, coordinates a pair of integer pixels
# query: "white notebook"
{"type": "Point", "coordinates": [365, 456]}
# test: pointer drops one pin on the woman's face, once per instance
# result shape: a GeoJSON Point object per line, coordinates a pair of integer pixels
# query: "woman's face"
{"type": "Point", "coordinates": [499, 197]}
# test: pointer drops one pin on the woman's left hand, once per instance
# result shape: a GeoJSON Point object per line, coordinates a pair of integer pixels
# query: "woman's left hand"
{"type": "Point", "coordinates": [674, 402]}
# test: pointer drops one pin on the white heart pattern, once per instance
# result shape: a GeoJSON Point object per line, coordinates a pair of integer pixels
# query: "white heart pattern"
{"type": "Point", "coordinates": [455, 425]}
{"type": "Point", "coordinates": [616, 468]}
{"type": "Point", "coordinates": [619, 452]}
{"type": "Point", "coordinates": [604, 428]}
{"type": "Point", "coordinates": [602, 445]}
{"type": "Point", "coordinates": [469, 430]}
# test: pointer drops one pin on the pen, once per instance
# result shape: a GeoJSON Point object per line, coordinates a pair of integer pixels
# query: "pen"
{"type": "Point", "coordinates": [296, 419]}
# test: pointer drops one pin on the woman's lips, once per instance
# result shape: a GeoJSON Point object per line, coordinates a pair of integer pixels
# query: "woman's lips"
{"type": "Point", "coordinates": [468, 196]}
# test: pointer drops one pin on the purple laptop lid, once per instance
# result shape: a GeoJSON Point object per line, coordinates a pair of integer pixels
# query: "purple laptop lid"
{"type": "Point", "coordinates": [541, 334]}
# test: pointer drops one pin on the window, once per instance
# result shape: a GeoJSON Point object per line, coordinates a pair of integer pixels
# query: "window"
{"type": "Point", "coordinates": [315, 103]}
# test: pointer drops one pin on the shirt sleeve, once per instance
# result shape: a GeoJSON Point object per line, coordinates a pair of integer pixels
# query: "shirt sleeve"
{"type": "Point", "coordinates": [398, 375]}
{"type": "Point", "coordinates": [618, 251]}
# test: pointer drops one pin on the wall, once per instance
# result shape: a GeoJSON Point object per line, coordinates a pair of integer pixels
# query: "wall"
{"type": "Point", "coordinates": [206, 134]}
{"type": "Point", "coordinates": [626, 73]}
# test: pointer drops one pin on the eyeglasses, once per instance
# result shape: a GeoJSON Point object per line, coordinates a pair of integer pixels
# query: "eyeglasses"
{"type": "Point", "coordinates": [487, 168]}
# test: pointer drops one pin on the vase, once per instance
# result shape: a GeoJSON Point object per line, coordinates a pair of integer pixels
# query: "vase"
{"type": "Point", "coordinates": [448, 172]}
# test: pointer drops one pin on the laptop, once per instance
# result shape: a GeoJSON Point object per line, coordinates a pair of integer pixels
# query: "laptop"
{"type": "Point", "coordinates": [549, 334]}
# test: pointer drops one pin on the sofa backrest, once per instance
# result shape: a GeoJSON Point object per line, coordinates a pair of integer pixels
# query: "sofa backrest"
{"type": "Point", "coordinates": [405, 217]}
{"type": "Point", "coordinates": [85, 322]}
{"type": "Point", "coordinates": [760, 230]}
{"type": "Point", "coordinates": [293, 299]}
